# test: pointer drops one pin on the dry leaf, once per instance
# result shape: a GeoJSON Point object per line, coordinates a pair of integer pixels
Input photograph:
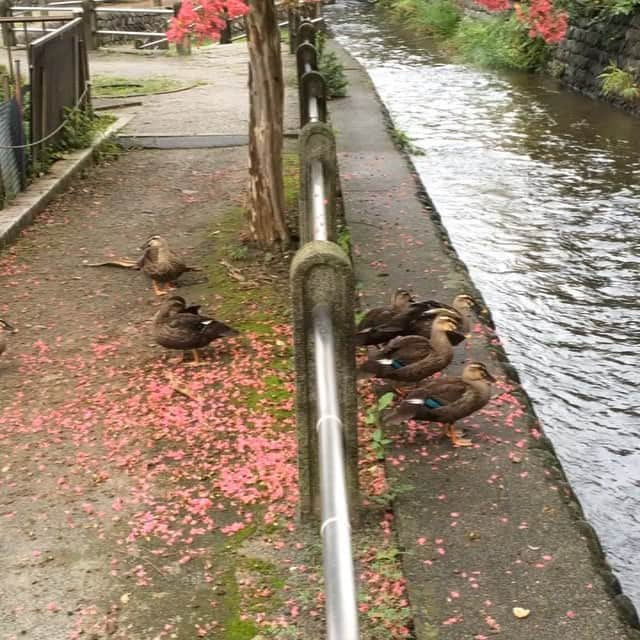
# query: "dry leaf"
{"type": "Point", "coordinates": [519, 612]}
{"type": "Point", "coordinates": [124, 598]}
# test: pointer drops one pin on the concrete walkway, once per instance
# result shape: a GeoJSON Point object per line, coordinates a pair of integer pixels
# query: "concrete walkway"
{"type": "Point", "coordinates": [484, 529]}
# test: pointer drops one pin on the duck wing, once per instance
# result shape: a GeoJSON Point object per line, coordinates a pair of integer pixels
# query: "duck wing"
{"type": "Point", "coordinates": [439, 400]}
{"type": "Point", "coordinates": [405, 349]}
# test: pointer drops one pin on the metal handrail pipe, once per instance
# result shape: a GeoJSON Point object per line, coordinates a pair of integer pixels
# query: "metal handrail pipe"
{"type": "Point", "coordinates": [341, 605]}
{"type": "Point", "coordinates": [29, 19]}
{"type": "Point", "coordinates": [72, 24]}
{"type": "Point", "coordinates": [314, 111]}
{"type": "Point", "coordinates": [70, 2]}
{"type": "Point", "coordinates": [150, 44]}
{"type": "Point", "coordinates": [142, 34]}
{"type": "Point", "coordinates": [32, 30]}
{"type": "Point", "coordinates": [135, 10]}
{"type": "Point", "coordinates": [318, 199]}
{"type": "Point", "coordinates": [43, 8]}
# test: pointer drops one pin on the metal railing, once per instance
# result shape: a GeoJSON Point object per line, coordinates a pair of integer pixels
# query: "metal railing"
{"type": "Point", "coordinates": [330, 427]}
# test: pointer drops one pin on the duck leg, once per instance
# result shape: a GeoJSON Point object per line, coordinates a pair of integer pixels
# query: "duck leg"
{"type": "Point", "coordinates": [456, 440]}
{"type": "Point", "coordinates": [196, 362]}
{"type": "Point", "coordinates": [157, 290]}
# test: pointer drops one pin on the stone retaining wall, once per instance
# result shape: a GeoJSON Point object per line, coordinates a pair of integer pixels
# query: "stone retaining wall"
{"type": "Point", "coordinates": [590, 46]}
{"type": "Point", "coordinates": [123, 21]}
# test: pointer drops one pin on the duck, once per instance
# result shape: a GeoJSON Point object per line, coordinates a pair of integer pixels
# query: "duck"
{"type": "Point", "coordinates": [447, 400]}
{"type": "Point", "coordinates": [160, 263]}
{"type": "Point", "coordinates": [379, 316]}
{"type": "Point", "coordinates": [416, 319]}
{"type": "Point", "coordinates": [5, 330]}
{"type": "Point", "coordinates": [413, 358]}
{"type": "Point", "coordinates": [179, 326]}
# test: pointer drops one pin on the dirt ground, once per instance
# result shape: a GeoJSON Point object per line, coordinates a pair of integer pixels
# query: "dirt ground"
{"type": "Point", "coordinates": [91, 461]}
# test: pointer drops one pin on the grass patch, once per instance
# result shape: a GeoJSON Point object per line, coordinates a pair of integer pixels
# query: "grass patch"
{"type": "Point", "coordinates": [497, 41]}
{"type": "Point", "coordinates": [119, 87]}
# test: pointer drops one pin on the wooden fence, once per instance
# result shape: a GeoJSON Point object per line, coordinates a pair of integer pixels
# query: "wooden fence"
{"type": "Point", "coordinates": [59, 80]}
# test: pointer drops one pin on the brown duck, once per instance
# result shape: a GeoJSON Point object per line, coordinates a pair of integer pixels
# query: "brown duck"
{"type": "Point", "coordinates": [5, 330]}
{"type": "Point", "coordinates": [447, 400]}
{"type": "Point", "coordinates": [366, 331]}
{"type": "Point", "coordinates": [418, 317]}
{"type": "Point", "coordinates": [178, 326]}
{"type": "Point", "coordinates": [160, 263]}
{"type": "Point", "coordinates": [413, 358]}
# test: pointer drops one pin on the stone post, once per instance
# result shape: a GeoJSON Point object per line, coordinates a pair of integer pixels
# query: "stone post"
{"type": "Point", "coordinates": [89, 24]}
{"type": "Point", "coordinates": [313, 84]}
{"type": "Point", "coordinates": [306, 53]}
{"type": "Point", "coordinates": [317, 144]}
{"type": "Point", "coordinates": [321, 274]}
{"type": "Point", "coordinates": [306, 33]}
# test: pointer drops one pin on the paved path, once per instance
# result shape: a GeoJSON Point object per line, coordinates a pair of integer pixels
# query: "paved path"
{"type": "Point", "coordinates": [484, 529]}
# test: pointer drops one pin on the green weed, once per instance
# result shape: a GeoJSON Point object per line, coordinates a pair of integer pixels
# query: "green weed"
{"type": "Point", "coordinates": [620, 82]}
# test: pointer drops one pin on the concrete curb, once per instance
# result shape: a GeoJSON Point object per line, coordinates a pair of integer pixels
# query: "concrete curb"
{"type": "Point", "coordinates": [38, 195]}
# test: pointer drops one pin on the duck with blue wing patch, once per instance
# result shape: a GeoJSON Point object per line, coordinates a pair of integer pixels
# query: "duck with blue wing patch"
{"type": "Point", "coordinates": [447, 400]}
{"type": "Point", "coordinates": [413, 358]}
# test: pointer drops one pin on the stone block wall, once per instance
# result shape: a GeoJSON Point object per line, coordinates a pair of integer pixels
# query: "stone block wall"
{"type": "Point", "coordinates": [590, 46]}
{"type": "Point", "coordinates": [123, 21]}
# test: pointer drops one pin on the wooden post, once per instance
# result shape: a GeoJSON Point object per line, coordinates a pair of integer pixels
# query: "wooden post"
{"type": "Point", "coordinates": [89, 24]}
{"type": "Point", "coordinates": [183, 48]}
{"type": "Point", "coordinates": [8, 35]}
{"type": "Point", "coordinates": [225, 34]}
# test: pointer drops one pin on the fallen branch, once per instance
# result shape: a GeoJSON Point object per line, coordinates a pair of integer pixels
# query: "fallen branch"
{"type": "Point", "coordinates": [178, 387]}
{"type": "Point", "coordinates": [233, 272]}
{"type": "Point", "coordinates": [125, 263]}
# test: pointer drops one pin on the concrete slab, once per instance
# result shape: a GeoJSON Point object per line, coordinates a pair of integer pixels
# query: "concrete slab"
{"type": "Point", "coordinates": [484, 529]}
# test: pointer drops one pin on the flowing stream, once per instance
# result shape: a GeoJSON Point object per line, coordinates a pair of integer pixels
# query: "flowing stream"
{"type": "Point", "coordinates": [539, 189]}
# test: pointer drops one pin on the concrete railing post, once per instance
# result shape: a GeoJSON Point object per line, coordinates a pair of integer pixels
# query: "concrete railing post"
{"type": "Point", "coordinates": [306, 33]}
{"type": "Point", "coordinates": [313, 85]}
{"type": "Point", "coordinates": [321, 274]}
{"type": "Point", "coordinates": [306, 54]}
{"type": "Point", "coordinates": [8, 35]}
{"type": "Point", "coordinates": [90, 24]}
{"type": "Point", "coordinates": [317, 144]}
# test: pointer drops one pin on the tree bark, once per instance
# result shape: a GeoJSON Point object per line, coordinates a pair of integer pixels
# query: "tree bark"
{"type": "Point", "coordinates": [266, 92]}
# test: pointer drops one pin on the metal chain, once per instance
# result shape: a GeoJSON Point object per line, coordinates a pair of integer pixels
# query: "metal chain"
{"type": "Point", "coordinates": [56, 130]}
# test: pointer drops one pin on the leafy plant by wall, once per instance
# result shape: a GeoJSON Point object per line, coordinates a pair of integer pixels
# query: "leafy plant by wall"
{"type": "Point", "coordinates": [620, 82]}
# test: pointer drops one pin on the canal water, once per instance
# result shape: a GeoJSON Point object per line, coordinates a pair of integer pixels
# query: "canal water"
{"type": "Point", "coordinates": [539, 189]}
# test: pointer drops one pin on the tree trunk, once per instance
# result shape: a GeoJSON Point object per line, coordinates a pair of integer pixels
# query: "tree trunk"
{"type": "Point", "coordinates": [266, 92]}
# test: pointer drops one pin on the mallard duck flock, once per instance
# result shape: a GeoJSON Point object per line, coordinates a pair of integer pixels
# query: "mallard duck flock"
{"type": "Point", "coordinates": [418, 339]}
{"type": "Point", "coordinates": [413, 340]}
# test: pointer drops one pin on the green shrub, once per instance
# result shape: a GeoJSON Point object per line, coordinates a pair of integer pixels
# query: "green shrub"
{"type": "Point", "coordinates": [619, 82]}
{"type": "Point", "coordinates": [332, 69]}
{"type": "Point", "coordinates": [499, 42]}
{"type": "Point", "coordinates": [434, 17]}
{"type": "Point", "coordinates": [440, 17]}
